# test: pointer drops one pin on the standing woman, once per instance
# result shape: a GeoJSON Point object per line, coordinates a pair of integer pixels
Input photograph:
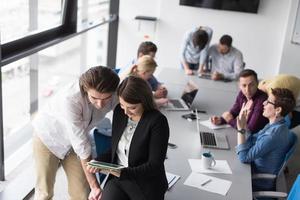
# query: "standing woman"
{"type": "Point", "coordinates": [61, 133]}
{"type": "Point", "coordinates": [140, 136]}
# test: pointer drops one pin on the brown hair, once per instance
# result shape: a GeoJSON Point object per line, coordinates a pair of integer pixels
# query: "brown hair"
{"type": "Point", "coordinates": [102, 79]}
{"type": "Point", "coordinates": [200, 38]}
{"type": "Point", "coordinates": [247, 73]}
{"type": "Point", "coordinates": [135, 90]}
{"type": "Point", "coordinates": [284, 98]}
{"type": "Point", "coordinates": [146, 47]}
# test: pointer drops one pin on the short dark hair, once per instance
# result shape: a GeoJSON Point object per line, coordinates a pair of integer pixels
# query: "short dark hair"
{"type": "Point", "coordinates": [200, 38]}
{"type": "Point", "coordinates": [135, 90]}
{"type": "Point", "coordinates": [226, 40]}
{"type": "Point", "coordinates": [102, 79]}
{"type": "Point", "coordinates": [146, 47]}
{"type": "Point", "coordinates": [284, 98]}
{"type": "Point", "coordinates": [247, 73]}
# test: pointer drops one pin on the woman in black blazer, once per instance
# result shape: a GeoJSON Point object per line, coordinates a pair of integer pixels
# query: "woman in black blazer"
{"type": "Point", "coordinates": [140, 136]}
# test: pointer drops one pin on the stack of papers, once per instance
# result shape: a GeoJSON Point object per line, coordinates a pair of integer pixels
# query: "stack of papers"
{"type": "Point", "coordinates": [220, 167]}
{"type": "Point", "coordinates": [172, 179]}
{"type": "Point", "coordinates": [210, 125]}
{"type": "Point", "coordinates": [208, 183]}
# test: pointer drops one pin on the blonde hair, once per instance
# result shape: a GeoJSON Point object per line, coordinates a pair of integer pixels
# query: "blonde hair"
{"type": "Point", "coordinates": [144, 64]}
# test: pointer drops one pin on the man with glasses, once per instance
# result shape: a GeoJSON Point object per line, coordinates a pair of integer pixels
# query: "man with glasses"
{"type": "Point", "coordinates": [252, 98]}
{"type": "Point", "coordinates": [61, 133]}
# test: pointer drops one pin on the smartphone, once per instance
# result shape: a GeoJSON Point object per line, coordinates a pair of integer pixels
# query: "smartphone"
{"type": "Point", "coordinates": [190, 116]}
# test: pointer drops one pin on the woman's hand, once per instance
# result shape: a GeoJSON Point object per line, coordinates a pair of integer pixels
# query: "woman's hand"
{"type": "Point", "coordinates": [92, 169]}
{"type": "Point", "coordinates": [241, 120]}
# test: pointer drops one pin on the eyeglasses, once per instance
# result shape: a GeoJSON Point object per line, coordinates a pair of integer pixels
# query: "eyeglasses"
{"type": "Point", "coordinates": [269, 102]}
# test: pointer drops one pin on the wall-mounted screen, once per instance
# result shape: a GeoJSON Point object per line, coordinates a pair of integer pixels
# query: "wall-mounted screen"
{"type": "Point", "coordinates": [250, 6]}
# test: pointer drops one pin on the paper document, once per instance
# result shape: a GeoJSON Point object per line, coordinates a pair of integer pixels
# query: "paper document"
{"type": "Point", "coordinates": [210, 125]}
{"type": "Point", "coordinates": [220, 167]}
{"type": "Point", "coordinates": [208, 183]}
{"type": "Point", "coordinates": [172, 179]}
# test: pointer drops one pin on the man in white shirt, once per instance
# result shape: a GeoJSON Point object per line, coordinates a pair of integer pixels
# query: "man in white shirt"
{"type": "Point", "coordinates": [61, 133]}
{"type": "Point", "coordinates": [225, 61]}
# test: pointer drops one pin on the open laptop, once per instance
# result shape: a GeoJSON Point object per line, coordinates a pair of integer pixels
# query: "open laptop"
{"type": "Point", "coordinates": [212, 140]}
{"type": "Point", "coordinates": [186, 100]}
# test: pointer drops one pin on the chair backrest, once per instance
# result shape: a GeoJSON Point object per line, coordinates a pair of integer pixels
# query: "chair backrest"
{"type": "Point", "coordinates": [102, 142]}
{"type": "Point", "coordinates": [295, 191]}
{"type": "Point", "coordinates": [293, 139]}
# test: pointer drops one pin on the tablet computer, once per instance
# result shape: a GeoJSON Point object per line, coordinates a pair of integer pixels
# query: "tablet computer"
{"type": "Point", "coordinates": [105, 165]}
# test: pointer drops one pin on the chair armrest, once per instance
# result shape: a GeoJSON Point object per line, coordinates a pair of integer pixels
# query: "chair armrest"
{"type": "Point", "coordinates": [269, 194]}
{"type": "Point", "coordinates": [264, 176]}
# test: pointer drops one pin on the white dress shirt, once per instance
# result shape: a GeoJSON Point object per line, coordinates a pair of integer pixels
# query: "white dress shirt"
{"type": "Point", "coordinates": [66, 120]}
{"type": "Point", "coordinates": [124, 143]}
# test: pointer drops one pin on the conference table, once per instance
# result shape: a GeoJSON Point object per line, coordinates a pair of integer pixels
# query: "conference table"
{"type": "Point", "coordinates": [214, 97]}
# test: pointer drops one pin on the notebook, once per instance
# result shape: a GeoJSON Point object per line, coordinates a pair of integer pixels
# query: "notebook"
{"type": "Point", "coordinates": [186, 100]}
{"type": "Point", "coordinates": [212, 140]}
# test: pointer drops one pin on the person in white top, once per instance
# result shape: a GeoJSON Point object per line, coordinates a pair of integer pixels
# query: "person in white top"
{"type": "Point", "coordinates": [61, 133]}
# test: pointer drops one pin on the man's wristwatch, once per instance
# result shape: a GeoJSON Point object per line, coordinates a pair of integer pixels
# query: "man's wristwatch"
{"type": "Point", "coordinates": [242, 131]}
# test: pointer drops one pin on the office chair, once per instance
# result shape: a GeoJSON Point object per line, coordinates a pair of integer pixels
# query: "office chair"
{"type": "Point", "coordinates": [103, 143]}
{"type": "Point", "coordinates": [278, 178]}
{"type": "Point", "coordinates": [293, 195]}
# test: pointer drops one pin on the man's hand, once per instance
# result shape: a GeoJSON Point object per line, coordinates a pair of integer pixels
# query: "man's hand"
{"type": "Point", "coordinates": [216, 120]}
{"type": "Point", "coordinates": [161, 102]}
{"type": "Point", "coordinates": [95, 194]}
{"type": "Point", "coordinates": [227, 116]}
{"type": "Point", "coordinates": [161, 92]}
{"type": "Point", "coordinates": [188, 71]}
{"type": "Point", "coordinates": [217, 76]}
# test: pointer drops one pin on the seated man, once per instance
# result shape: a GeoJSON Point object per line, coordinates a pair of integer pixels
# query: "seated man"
{"type": "Point", "coordinates": [289, 82]}
{"type": "Point", "coordinates": [226, 61]}
{"type": "Point", "coordinates": [148, 48]}
{"type": "Point", "coordinates": [253, 99]}
{"type": "Point", "coordinates": [194, 49]}
{"type": "Point", "coordinates": [266, 149]}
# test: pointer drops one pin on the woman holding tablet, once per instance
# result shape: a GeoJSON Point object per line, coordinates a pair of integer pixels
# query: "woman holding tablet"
{"type": "Point", "coordinates": [140, 136]}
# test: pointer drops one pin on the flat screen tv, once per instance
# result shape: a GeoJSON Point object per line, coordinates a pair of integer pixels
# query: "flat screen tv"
{"type": "Point", "coordinates": [250, 6]}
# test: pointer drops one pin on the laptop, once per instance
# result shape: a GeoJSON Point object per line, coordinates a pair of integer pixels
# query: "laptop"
{"type": "Point", "coordinates": [210, 139]}
{"type": "Point", "coordinates": [186, 100]}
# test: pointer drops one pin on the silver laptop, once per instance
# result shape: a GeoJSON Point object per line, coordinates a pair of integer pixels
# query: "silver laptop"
{"type": "Point", "coordinates": [186, 100]}
{"type": "Point", "coordinates": [210, 139]}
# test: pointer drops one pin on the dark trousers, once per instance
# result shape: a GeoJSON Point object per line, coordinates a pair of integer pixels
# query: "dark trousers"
{"type": "Point", "coordinates": [121, 190]}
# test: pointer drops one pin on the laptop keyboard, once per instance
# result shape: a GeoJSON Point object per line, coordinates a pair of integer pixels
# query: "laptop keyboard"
{"type": "Point", "coordinates": [208, 138]}
{"type": "Point", "coordinates": [176, 103]}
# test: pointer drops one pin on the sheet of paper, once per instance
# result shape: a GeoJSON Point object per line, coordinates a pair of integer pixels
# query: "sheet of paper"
{"type": "Point", "coordinates": [220, 167]}
{"type": "Point", "coordinates": [172, 179]}
{"type": "Point", "coordinates": [210, 125]}
{"type": "Point", "coordinates": [215, 185]}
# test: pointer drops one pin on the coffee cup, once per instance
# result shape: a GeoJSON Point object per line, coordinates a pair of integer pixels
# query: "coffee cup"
{"type": "Point", "coordinates": [208, 160]}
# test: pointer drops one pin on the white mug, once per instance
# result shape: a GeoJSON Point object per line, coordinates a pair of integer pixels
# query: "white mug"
{"type": "Point", "coordinates": [208, 160]}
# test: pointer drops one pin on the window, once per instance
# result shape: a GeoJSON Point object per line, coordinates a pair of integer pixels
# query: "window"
{"type": "Point", "coordinates": [20, 18]}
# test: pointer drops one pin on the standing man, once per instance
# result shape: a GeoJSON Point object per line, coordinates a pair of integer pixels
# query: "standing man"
{"type": "Point", "coordinates": [194, 49]}
{"type": "Point", "coordinates": [253, 99]}
{"type": "Point", "coordinates": [226, 61]}
{"type": "Point", "coordinates": [61, 131]}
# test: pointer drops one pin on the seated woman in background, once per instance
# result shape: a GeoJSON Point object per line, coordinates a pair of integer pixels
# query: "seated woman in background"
{"type": "Point", "coordinates": [289, 82]}
{"type": "Point", "coordinates": [140, 135]}
{"type": "Point", "coordinates": [266, 149]}
{"type": "Point", "coordinates": [145, 69]}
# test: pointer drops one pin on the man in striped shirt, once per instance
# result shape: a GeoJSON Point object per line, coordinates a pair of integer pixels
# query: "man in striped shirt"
{"type": "Point", "coordinates": [194, 49]}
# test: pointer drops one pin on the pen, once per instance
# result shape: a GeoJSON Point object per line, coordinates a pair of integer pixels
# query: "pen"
{"type": "Point", "coordinates": [203, 184]}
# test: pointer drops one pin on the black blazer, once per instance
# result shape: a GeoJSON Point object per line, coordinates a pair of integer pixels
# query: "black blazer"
{"type": "Point", "coordinates": [147, 151]}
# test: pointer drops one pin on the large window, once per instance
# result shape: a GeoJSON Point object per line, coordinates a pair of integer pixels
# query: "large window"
{"type": "Point", "coordinates": [41, 51]}
{"type": "Point", "coordinates": [21, 17]}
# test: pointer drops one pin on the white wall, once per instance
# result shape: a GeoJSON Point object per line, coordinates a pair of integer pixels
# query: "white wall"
{"type": "Point", "coordinates": [259, 36]}
{"type": "Point", "coordinates": [290, 62]}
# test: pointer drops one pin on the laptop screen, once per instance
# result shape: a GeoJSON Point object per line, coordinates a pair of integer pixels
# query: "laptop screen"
{"type": "Point", "coordinates": [189, 93]}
